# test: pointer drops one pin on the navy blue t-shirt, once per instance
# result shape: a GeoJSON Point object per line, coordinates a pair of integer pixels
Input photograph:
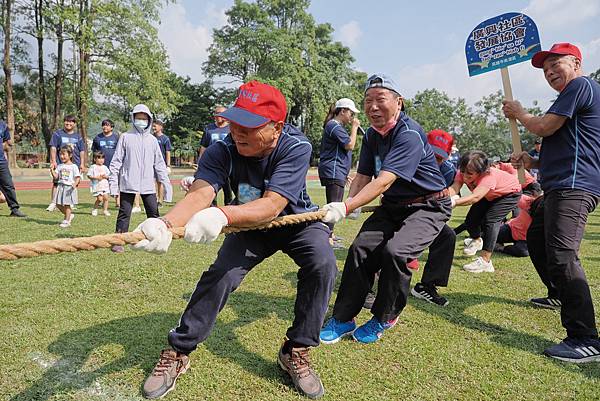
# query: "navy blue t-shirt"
{"type": "Point", "coordinates": [4, 137]}
{"type": "Point", "coordinates": [334, 160]}
{"type": "Point", "coordinates": [60, 138]}
{"type": "Point", "coordinates": [106, 145]}
{"type": "Point", "coordinates": [164, 142]}
{"type": "Point", "coordinates": [405, 153]}
{"type": "Point", "coordinates": [570, 158]}
{"type": "Point", "coordinates": [448, 171]}
{"type": "Point", "coordinates": [212, 134]}
{"type": "Point", "coordinates": [282, 171]}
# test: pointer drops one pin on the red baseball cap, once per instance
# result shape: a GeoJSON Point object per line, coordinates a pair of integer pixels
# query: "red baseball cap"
{"type": "Point", "coordinates": [256, 105]}
{"type": "Point", "coordinates": [441, 142]}
{"type": "Point", "coordinates": [558, 48]}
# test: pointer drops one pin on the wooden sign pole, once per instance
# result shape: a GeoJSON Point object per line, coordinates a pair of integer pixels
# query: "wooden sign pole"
{"type": "Point", "coordinates": [516, 140]}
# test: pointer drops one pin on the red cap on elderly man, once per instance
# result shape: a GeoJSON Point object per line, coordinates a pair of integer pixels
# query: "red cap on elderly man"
{"type": "Point", "coordinates": [563, 49]}
{"type": "Point", "coordinates": [256, 105]}
{"type": "Point", "coordinates": [441, 142]}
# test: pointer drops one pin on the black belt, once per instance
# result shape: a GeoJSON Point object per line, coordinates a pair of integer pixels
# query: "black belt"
{"type": "Point", "coordinates": [444, 193]}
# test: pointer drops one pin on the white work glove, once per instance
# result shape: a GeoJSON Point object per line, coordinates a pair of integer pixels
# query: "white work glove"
{"type": "Point", "coordinates": [205, 226]}
{"type": "Point", "coordinates": [355, 214]}
{"type": "Point", "coordinates": [158, 237]}
{"type": "Point", "coordinates": [186, 183]}
{"type": "Point", "coordinates": [168, 170]}
{"type": "Point", "coordinates": [336, 211]}
{"type": "Point", "coordinates": [453, 199]}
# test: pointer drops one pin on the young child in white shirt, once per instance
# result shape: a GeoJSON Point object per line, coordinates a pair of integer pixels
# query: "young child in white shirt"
{"type": "Point", "coordinates": [68, 177]}
{"type": "Point", "coordinates": [98, 175]}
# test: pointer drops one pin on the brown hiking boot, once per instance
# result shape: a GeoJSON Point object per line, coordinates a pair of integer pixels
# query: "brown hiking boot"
{"type": "Point", "coordinates": [169, 367]}
{"type": "Point", "coordinates": [297, 365]}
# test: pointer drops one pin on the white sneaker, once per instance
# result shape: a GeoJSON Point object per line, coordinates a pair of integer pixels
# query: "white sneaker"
{"type": "Point", "coordinates": [106, 213]}
{"type": "Point", "coordinates": [474, 246]}
{"type": "Point", "coordinates": [65, 224]}
{"type": "Point", "coordinates": [467, 241]}
{"type": "Point", "coordinates": [51, 207]}
{"type": "Point", "coordinates": [136, 209]}
{"type": "Point", "coordinates": [479, 266]}
{"type": "Point", "coordinates": [94, 212]}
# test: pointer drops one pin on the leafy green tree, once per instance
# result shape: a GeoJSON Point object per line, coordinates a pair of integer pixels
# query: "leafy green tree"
{"type": "Point", "coordinates": [279, 42]}
{"type": "Point", "coordinates": [117, 54]}
{"type": "Point", "coordinates": [186, 126]}
{"type": "Point", "coordinates": [481, 127]}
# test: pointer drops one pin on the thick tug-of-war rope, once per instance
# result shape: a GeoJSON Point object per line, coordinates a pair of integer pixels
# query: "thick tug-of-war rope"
{"type": "Point", "coordinates": [50, 247]}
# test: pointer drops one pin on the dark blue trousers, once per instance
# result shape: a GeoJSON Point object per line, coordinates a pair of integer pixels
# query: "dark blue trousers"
{"type": "Point", "coordinates": [7, 187]}
{"type": "Point", "coordinates": [307, 244]}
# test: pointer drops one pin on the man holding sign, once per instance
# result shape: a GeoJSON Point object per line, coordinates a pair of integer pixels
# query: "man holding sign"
{"type": "Point", "coordinates": [569, 166]}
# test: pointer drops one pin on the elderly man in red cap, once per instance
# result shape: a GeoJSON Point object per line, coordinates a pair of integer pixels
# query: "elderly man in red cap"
{"type": "Point", "coordinates": [266, 162]}
{"type": "Point", "coordinates": [569, 168]}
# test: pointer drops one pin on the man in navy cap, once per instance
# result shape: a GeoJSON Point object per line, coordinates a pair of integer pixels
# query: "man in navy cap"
{"type": "Point", "coordinates": [213, 132]}
{"type": "Point", "coordinates": [396, 161]}
{"type": "Point", "coordinates": [266, 161]}
{"type": "Point", "coordinates": [569, 167]}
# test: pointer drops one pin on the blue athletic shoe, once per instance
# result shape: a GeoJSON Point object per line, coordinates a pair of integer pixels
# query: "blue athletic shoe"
{"type": "Point", "coordinates": [334, 330]}
{"type": "Point", "coordinates": [575, 350]}
{"type": "Point", "coordinates": [372, 330]}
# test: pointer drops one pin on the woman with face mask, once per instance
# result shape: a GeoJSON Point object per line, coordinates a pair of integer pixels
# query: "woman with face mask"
{"type": "Point", "coordinates": [135, 165]}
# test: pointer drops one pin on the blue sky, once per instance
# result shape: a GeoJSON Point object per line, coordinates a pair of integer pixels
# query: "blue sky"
{"type": "Point", "coordinates": [421, 44]}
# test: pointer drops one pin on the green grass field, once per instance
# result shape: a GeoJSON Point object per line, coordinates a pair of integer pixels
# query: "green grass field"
{"type": "Point", "coordinates": [90, 326]}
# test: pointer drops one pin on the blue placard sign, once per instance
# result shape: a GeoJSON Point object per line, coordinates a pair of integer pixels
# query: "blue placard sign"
{"type": "Point", "coordinates": [501, 41]}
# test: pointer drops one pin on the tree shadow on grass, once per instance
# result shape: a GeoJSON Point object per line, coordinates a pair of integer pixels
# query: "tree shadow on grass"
{"type": "Point", "coordinates": [137, 335]}
{"type": "Point", "coordinates": [36, 206]}
{"type": "Point", "coordinates": [42, 221]}
{"type": "Point", "coordinates": [143, 337]}
{"type": "Point", "coordinates": [457, 313]}
{"type": "Point", "coordinates": [250, 307]}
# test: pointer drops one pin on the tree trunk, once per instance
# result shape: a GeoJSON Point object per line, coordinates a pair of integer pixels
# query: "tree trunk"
{"type": "Point", "coordinates": [84, 66]}
{"type": "Point", "coordinates": [39, 28]}
{"type": "Point", "coordinates": [8, 87]}
{"type": "Point", "coordinates": [58, 80]}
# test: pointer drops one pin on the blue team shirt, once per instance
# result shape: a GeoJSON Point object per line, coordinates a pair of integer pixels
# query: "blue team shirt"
{"type": "Point", "coordinates": [405, 153]}
{"type": "Point", "coordinates": [282, 171]}
{"type": "Point", "coordinates": [212, 134]}
{"type": "Point", "coordinates": [106, 145]}
{"type": "Point", "coordinates": [60, 138]}
{"type": "Point", "coordinates": [164, 142]}
{"type": "Point", "coordinates": [4, 137]}
{"type": "Point", "coordinates": [570, 158]}
{"type": "Point", "coordinates": [334, 160]}
{"type": "Point", "coordinates": [448, 171]}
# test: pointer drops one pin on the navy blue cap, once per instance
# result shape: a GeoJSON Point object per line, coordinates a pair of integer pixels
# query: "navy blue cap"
{"type": "Point", "coordinates": [381, 81]}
